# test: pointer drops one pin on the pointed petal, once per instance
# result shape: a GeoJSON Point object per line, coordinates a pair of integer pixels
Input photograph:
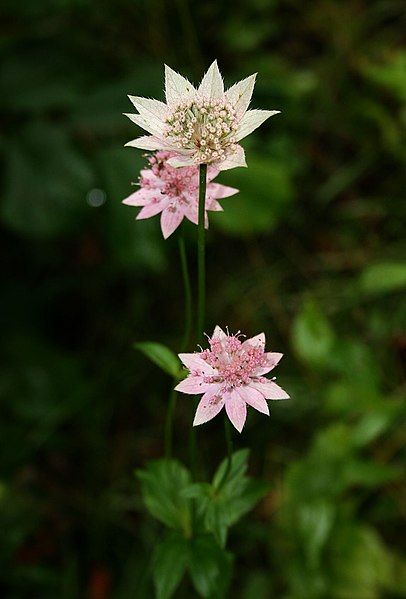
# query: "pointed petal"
{"type": "Point", "coordinates": [150, 142]}
{"type": "Point", "coordinates": [170, 220]}
{"type": "Point", "coordinates": [257, 341]}
{"type": "Point", "coordinates": [213, 205]}
{"type": "Point", "coordinates": [236, 409]}
{"type": "Point", "coordinates": [218, 333]}
{"type": "Point", "coordinates": [150, 210]}
{"type": "Point", "coordinates": [194, 385]}
{"type": "Point", "coordinates": [233, 160]}
{"type": "Point", "coordinates": [253, 398]}
{"type": "Point", "coordinates": [240, 94]}
{"type": "Point", "coordinates": [209, 406]}
{"type": "Point", "coordinates": [177, 88]}
{"type": "Point", "coordinates": [271, 360]}
{"type": "Point", "coordinates": [153, 112]}
{"type": "Point", "coordinates": [270, 390]}
{"type": "Point", "coordinates": [140, 197]}
{"type": "Point", "coordinates": [212, 85]}
{"type": "Point", "coordinates": [195, 363]}
{"type": "Point", "coordinates": [178, 161]}
{"type": "Point", "coordinates": [251, 120]}
{"type": "Point", "coordinates": [144, 124]}
{"type": "Point", "coordinates": [218, 191]}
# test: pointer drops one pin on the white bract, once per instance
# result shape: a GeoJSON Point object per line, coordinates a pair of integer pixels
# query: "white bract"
{"type": "Point", "coordinates": [201, 126]}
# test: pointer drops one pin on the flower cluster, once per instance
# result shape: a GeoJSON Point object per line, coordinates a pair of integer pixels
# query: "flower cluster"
{"type": "Point", "coordinates": [230, 374]}
{"type": "Point", "coordinates": [173, 192]}
{"type": "Point", "coordinates": [200, 126]}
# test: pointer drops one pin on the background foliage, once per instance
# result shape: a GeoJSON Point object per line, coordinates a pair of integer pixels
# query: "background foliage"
{"type": "Point", "coordinates": [309, 251]}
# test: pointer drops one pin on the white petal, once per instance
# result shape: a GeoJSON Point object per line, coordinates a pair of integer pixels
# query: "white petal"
{"type": "Point", "coordinates": [253, 398]}
{"type": "Point", "coordinates": [150, 142]}
{"type": "Point", "coordinates": [179, 161]}
{"type": "Point", "coordinates": [212, 85]}
{"type": "Point", "coordinates": [209, 406]}
{"type": "Point", "coordinates": [177, 88]}
{"type": "Point", "coordinates": [153, 112]}
{"type": "Point", "coordinates": [141, 122]}
{"type": "Point", "coordinates": [270, 390]}
{"type": "Point", "coordinates": [251, 120]}
{"type": "Point", "coordinates": [233, 160]}
{"type": "Point", "coordinates": [240, 94]}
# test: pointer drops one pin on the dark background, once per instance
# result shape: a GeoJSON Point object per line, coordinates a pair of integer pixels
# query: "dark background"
{"type": "Point", "coordinates": [309, 252]}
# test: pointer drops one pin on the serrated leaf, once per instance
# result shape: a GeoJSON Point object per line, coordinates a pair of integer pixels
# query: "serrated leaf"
{"type": "Point", "coordinates": [162, 484]}
{"type": "Point", "coordinates": [209, 566]}
{"type": "Point", "coordinates": [160, 355]}
{"type": "Point", "coordinates": [170, 560]}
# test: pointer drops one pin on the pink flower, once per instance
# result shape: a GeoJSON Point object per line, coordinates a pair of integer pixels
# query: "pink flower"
{"type": "Point", "coordinates": [203, 125]}
{"type": "Point", "coordinates": [173, 192]}
{"type": "Point", "coordinates": [231, 374]}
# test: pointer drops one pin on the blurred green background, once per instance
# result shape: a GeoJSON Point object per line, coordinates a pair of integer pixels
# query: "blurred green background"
{"type": "Point", "coordinates": [310, 252]}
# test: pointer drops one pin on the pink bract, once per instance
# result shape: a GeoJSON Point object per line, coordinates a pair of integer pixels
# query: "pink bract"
{"type": "Point", "coordinates": [230, 375]}
{"type": "Point", "coordinates": [173, 192]}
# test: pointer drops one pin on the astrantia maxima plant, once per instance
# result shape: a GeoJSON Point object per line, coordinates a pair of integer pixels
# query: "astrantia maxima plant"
{"type": "Point", "coordinates": [201, 126]}
{"type": "Point", "coordinates": [173, 192]}
{"type": "Point", "coordinates": [230, 374]}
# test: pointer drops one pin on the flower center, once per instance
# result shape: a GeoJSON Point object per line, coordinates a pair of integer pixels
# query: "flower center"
{"type": "Point", "coordinates": [235, 363]}
{"type": "Point", "coordinates": [173, 182]}
{"type": "Point", "coordinates": [205, 126]}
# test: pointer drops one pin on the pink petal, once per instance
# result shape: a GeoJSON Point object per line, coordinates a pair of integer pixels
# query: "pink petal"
{"type": "Point", "coordinates": [253, 398]}
{"type": "Point", "coordinates": [214, 206]}
{"type": "Point", "coordinates": [151, 210]}
{"type": "Point", "coordinates": [140, 197]}
{"type": "Point", "coordinates": [272, 359]}
{"type": "Point", "coordinates": [209, 406]}
{"type": "Point", "coordinates": [218, 333]}
{"type": "Point", "coordinates": [170, 220]}
{"type": "Point", "coordinates": [257, 341]}
{"type": "Point", "coordinates": [218, 191]}
{"type": "Point", "coordinates": [236, 409]}
{"type": "Point", "coordinates": [194, 385]}
{"type": "Point", "coordinates": [195, 362]}
{"type": "Point", "coordinates": [270, 390]}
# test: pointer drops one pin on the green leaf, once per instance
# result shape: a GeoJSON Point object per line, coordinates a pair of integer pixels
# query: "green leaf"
{"type": "Point", "coordinates": [209, 566]}
{"type": "Point", "coordinates": [162, 356]}
{"type": "Point", "coordinates": [170, 560]}
{"type": "Point", "coordinates": [162, 484]}
{"type": "Point", "coordinates": [313, 337]}
{"type": "Point", "coordinates": [315, 521]}
{"type": "Point", "coordinates": [385, 277]}
{"type": "Point", "coordinates": [226, 500]}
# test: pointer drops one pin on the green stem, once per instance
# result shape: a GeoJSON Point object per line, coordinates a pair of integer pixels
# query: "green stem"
{"type": "Point", "coordinates": [185, 342]}
{"type": "Point", "coordinates": [201, 254]}
{"type": "Point", "coordinates": [188, 294]}
{"type": "Point", "coordinates": [229, 443]}
{"type": "Point", "coordinates": [169, 422]}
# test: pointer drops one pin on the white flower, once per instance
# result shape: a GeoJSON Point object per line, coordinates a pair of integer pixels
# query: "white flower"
{"type": "Point", "coordinates": [203, 125]}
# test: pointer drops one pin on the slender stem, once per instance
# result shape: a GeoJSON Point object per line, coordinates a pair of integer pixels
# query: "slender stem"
{"type": "Point", "coordinates": [229, 443]}
{"type": "Point", "coordinates": [185, 342]}
{"type": "Point", "coordinates": [188, 294]}
{"type": "Point", "coordinates": [201, 253]}
{"type": "Point", "coordinates": [169, 422]}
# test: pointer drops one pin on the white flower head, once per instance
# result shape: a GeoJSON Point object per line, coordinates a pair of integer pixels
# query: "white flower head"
{"type": "Point", "coordinates": [200, 126]}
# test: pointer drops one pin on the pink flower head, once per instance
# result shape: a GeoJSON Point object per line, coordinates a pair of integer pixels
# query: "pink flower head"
{"type": "Point", "coordinates": [231, 373]}
{"type": "Point", "coordinates": [174, 192]}
{"type": "Point", "coordinates": [201, 126]}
